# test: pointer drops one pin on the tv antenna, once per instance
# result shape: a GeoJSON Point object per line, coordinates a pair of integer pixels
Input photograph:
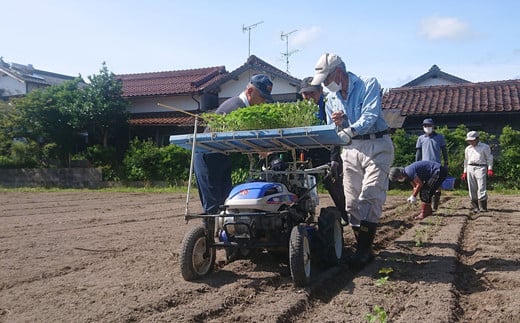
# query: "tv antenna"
{"type": "Point", "coordinates": [248, 29]}
{"type": "Point", "coordinates": [287, 52]}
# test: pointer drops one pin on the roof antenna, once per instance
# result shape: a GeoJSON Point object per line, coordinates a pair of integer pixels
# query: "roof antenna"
{"type": "Point", "coordinates": [287, 53]}
{"type": "Point", "coordinates": [248, 29]}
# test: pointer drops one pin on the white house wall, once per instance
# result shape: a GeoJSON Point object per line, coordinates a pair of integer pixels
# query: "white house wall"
{"type": "Point", "coordinates": [435, 81]}
{"type": "Point", "coordinates": [145, 105]}
{"type": "Point", "coordinates": [235, 87]}
{"type": "Point", "coordinates": [11, 86]}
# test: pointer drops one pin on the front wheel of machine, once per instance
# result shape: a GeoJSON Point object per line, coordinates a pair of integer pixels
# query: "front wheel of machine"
{"type": "Point", "coordinates": [330, 237]}
{"type": "Point", "coordinates": [196, 257]}
{"type": "Point", "coordinates": [300, 255]}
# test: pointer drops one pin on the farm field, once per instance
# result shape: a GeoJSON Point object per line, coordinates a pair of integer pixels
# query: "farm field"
{"type": "Point", "coordinates": [94, 256]}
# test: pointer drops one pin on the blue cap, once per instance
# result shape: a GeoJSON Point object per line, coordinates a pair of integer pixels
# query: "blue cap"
{"type": "Point", "coordinates": [264, 85]}
{"type": "Point", "coordinates": [428, 121]}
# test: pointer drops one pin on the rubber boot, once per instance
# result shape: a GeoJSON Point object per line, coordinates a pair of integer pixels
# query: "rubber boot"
{"type": "Point", "coordinates": [474, 206]}
{"type": "Point", "coordinates": [364, 253]}
{"type": "Point", "coordinates": [344, 218]}
{"type": "Point", "coordinates": [482, 205]}
{"type": "Point", "coordinates": [426, 210]}
{"type": "Point", "coordinates": [436, 200]}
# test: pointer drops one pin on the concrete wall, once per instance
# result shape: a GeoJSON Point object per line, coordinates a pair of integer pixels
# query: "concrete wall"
{"type": "Point", "coordinates": [45, 177]}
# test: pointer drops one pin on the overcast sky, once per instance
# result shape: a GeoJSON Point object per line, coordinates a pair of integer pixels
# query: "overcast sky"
{"type": "Point", "coordinates": [395, 41]}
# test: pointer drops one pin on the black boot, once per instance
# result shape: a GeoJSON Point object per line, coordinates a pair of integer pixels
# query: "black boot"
{"type": "Point", "coordinates": [482, 204]}
{"type": "Point", "coordinates": [436, 200]}
{"type": "Point", "coordinates": [474, 206]}
{"type": "Point", "coordinates": [364, 254]}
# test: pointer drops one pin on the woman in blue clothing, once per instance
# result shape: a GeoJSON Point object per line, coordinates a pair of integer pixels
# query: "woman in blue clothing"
{"type": "Point", "coordinates": [425, 177]}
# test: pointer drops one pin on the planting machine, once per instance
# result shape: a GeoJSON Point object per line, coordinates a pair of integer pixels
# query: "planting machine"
{"type": "Point", "coordinates": [274, 211]}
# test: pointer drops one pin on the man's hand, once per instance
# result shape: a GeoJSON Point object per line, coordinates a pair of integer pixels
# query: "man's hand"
{"type": "Point", "coordinates": [412, 199]}
{"type": "Point", "coordinates": [464, 176]}
{"type": "Point", "coordinates": [490, 173]}
{"type": "Point", "coordinates": [346, 135]}
{"type": "Point", "coordinates": [338, 118]}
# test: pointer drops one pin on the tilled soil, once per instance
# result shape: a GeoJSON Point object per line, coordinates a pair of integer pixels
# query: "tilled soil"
{"type": "Point", "coordinates": [88, 256]}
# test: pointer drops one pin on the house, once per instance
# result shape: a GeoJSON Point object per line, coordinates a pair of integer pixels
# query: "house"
{"type": "Point", "coordinates": [18, 80]}
{"type": "Point", "coordinates": [176, 91]}
{"type": "Point", "coordinates": [452, 101]}
{"type": "Point", "coordinates": [435, 77]}
{"type": "Point", "coordinates": [159, 100]}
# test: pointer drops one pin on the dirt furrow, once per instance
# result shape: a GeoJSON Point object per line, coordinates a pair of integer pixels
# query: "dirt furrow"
{"type": "Point", "coordinates": [121, 264]}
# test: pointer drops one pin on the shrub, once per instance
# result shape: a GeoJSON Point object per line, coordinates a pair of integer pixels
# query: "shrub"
{"type": "Point", "coordinates": [144, 161]}
{"type": "Point", "coordinates": [174, 164]}
{"type": "Point", "coordinates": [508, 165]}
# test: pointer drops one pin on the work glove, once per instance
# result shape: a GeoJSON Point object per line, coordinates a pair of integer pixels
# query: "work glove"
{"type": "Point", "coordinates": [464, 176]}
{"type": "Point", "coordinates": [412, 199]}
{"type": "Point", "coordinates": [490, 173]}
{"type": "Point", "coordinates": [346, 135]}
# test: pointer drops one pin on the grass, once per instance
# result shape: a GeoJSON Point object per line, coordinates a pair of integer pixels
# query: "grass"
{"type": "Point", "coordinates": [125, 189]}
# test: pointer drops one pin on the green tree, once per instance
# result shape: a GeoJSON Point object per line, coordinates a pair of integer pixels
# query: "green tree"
{"type": "Point", "coordinates": [6, 127]}
{"type": "Point", "coordinates": [104, 110]}
{"type": "Point", "coordinates": [404, 145]}
{"type": "Point", "coordinates": [508, 165]}
{"type": "Point", "coordinates": [48, 115]}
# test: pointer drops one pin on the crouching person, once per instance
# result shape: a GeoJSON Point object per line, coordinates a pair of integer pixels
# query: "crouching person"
{"type": "Point", "coordinates": [425, 178]}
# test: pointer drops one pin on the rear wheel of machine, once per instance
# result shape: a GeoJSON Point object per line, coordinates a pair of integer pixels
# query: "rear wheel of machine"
{"type": "Point", "coordinates": [330, 236]}
{"type": "Point", "coordinates": [300, 255]}
{"type": "Point", "coordinates": [196, 257]}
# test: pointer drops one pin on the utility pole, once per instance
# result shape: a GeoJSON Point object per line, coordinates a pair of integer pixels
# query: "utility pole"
{"type": "Point", "coordinates": [248, 29]}
{"type": "Point", "coordinates": [287, 53]}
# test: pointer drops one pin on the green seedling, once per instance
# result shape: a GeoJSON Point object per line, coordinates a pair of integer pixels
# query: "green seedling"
{"type": "Point", "coordinates": [385, 271]}
{"type": "Point", "coordinates": [378, 315]}
{"type": "Point", "coordinates": [381, 281]}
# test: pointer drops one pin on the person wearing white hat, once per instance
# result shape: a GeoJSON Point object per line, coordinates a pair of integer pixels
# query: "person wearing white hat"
{"type": "Point", "coordinates": [353, 104]}
{"type": "Point", "coordinates": [478, 165]}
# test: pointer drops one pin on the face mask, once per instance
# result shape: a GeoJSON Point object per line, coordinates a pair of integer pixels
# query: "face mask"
{"type": "Point", "coordinates": [334, 87]}
{"type": "Point", "coordinates": [428, 130]}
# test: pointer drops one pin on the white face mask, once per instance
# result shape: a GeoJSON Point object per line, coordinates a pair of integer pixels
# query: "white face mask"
{"type": "Point", "coordinates": [334, 87]}
{"type": "Point", "coordinates": [428, 130]}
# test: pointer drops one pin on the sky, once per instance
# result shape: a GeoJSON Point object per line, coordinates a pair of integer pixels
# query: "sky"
{"type": "Point", "coordinates": [394, 41]}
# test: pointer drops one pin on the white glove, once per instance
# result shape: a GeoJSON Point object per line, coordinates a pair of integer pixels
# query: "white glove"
{"type": "Point", "coordinates": [346, 135]}
{"type": "Point", "coordinates": [412, 199]}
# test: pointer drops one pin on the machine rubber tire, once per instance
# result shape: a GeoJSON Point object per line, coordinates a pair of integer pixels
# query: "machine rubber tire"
{"type": "Point", "coordinates": [300, 255]}
{"type": "Point", "coordinates": [196, 259]}
{"type": "Point", "coordinates": [329, 237]}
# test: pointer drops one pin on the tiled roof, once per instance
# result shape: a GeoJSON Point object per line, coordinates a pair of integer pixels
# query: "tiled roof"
{"type": "Point", "coordinates": [435, 72]}
{"type": "Point", "coordinates": [28, 74]}
{"type": "Point", "coordinates": [161, 119]}
{"type": "Point", "coordinates": [484, 97]}
{"type": "Point", "coordinates": [170, 83]}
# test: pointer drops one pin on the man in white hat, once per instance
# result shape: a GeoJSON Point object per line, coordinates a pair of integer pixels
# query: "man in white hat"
{"type": "Point", "coordinates": [478, 164]}
{"type": "Point", "coordinates": [354, 105]}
